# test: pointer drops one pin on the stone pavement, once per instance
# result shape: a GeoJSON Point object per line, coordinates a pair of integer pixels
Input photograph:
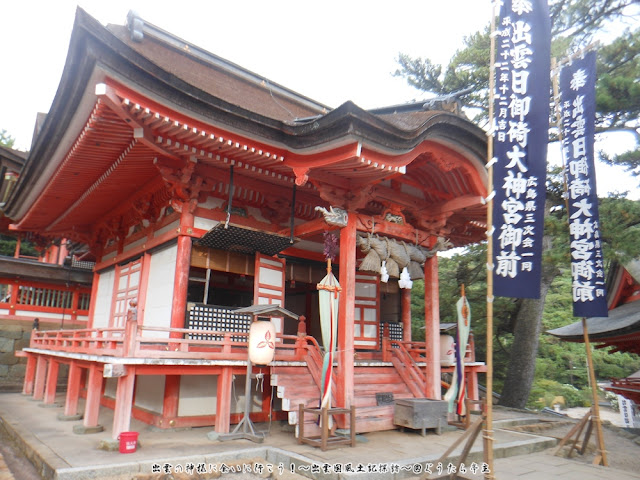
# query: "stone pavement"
{"type": "Point", "coordinates": [60, 454]}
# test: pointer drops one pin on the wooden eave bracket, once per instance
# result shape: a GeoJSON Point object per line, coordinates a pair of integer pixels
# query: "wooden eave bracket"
{"type": "Point", "coordinates": [108, 95]}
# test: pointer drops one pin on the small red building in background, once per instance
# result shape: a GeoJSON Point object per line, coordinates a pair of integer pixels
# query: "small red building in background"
{"type": "Point", "coordinates": [200, 187]}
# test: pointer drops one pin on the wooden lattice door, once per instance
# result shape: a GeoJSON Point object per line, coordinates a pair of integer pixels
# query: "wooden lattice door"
{"type": "Point", "coordinates": [366, 321]}
{"type": "Point", "coordinates": [126, 289]}
{"type": "Point", "coordinates": [269, 284]}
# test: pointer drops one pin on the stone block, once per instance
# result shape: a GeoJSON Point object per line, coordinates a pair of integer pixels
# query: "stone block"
{"type": "Point", "coordinates": [8, 358]}
{"type": "Point", "coordinates": [82, 430]}
{"type": "Point", "coordinates": [7, 344]}
{"type": "Point", "coordinates": [18, 370]}
{"type": "Point", "coordinates": [12, 333]}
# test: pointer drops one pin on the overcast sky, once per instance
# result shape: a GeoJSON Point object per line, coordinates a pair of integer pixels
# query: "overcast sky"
{"type": "Point", "coordinates": [331, 51]}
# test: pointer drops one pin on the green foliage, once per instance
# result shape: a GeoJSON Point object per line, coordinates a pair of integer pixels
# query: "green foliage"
{"type": "Point", "coordinates": [545, 392]}
{"type": "Point", "coordinates": [8, 247]}
{"type": "Point", "coordinates": [620, 226]}
{"type": "Point", "coordinates": [6, 139]}
{"type": "Point", "coordinates": [575, 23]}
{"type": "Point", "coordinates": [580, 20]}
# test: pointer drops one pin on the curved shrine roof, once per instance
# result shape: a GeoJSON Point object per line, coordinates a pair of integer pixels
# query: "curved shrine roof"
{"type": "Point", "coordinates": [128, 113]}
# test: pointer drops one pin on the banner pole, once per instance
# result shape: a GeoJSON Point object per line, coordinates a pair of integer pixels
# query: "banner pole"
{"type": "Point", "coordinates": [488, 422]}
{"type": "Point", "coordinates": [601, 458]}
{"type": "Point", "coordinates": [555, 69]}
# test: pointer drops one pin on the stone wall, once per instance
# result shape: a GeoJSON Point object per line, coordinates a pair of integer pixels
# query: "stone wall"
{"type": "Point", "coordinates": [14, 336]}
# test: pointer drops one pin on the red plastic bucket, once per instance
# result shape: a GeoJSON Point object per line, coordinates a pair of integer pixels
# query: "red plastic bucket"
{"type": "Point", "coordinates": [128, 442]}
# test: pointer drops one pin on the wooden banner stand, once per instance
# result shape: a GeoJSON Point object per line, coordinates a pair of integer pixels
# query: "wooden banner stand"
{"type": "Point", "coordinates": [592, 417]}
{"type": "Point", "coordinates": [470, 436]}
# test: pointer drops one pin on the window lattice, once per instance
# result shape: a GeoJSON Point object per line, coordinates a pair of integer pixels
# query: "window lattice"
{"type": "Point", "coordinates": [219, 319]}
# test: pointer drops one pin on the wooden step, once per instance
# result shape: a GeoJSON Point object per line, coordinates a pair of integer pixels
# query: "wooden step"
{"type": "Point", "coordinates": [377, 379]}
{"type": "Point", "coordinates": [288, 369]}
{"type": "Point", "coordinates": [373, 389]}
{"type": "Point", "coordinates": [297, 390]}
{"type": "Point", "coordinates": [372, 401]}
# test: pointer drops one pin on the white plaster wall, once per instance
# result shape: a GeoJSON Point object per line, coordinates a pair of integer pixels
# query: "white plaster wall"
{"type": "Point", "coordinates": [104, 298]}
{"type": "Point", "coordinates": [167, 228]}
{"type": "Point", "coordinates": [150, 392]}
{"type": "Point", "coordinates": [157, 310]}
{"type": "Point", "coordinates": [132, 245]}
{"type": "Point", "coordinates": [238, 397]}
{"type": "Point", "coordinates": [204, 223]}
{"type": "Point", "coordinates": [197, 395]}
{"type": "Point", "coordinates": [110, 387]}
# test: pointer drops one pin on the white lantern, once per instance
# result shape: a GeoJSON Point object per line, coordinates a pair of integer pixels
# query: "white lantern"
{"type": "Point", "coordinates": [262, 342]}
{"type": "Point", "coordinates": [447, 350]}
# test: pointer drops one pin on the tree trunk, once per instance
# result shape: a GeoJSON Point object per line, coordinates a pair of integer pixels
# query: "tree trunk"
{"type": "Point", "coordinates": [522, 364]}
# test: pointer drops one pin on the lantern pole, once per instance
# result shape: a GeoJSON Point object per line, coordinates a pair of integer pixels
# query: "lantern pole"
{"type": "Point", "coordinates": [245, 429]}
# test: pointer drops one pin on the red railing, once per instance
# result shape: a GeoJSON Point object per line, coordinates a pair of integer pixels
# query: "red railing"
{"type": "Point", "coordinates": [21, 297]}
{"type": "Point", "coordinates": [157, 342]}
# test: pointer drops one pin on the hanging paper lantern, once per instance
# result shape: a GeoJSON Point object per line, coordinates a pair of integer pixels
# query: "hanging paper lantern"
{"type": "Point", "coordinates": [262, 342]}
{"type": "Point", "coordinates": [447, 350]}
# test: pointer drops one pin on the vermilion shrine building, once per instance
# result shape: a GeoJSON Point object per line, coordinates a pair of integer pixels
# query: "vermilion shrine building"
{"type": "Point", "coordinates": [201, 187]}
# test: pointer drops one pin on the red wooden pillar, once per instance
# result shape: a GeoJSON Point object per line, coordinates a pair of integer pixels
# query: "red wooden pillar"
{"type": "Point", "coordinates": [124, 403]}
{"type": "Point", "coordinates": [171, 397]}
{"type": "Point", "coordinates": [52, 382]}
{"type": "Point", "coordinates": [16, 253]}
{"type": "Point", "coordinates": [143, 287]}
{"type": "Point", "coordinates": [346, 312]}
{"type": "Point", "coordinates": [13, 300]}
{"type": "Point", "coordinates": [62, 252]}
{"type": "Point", "coordinates": [432, 329]}
{"type": "Point", "coordinates": [183, 262]}
{"type": "Point", "coordinates": [406, 313]}
{"type": "Point", "coordinates": [94, 392]}
{"type": "Point", "coordinates": [29, 375]}
{"type": "Point", "coordinates": [73, 390]}
{"type": "Point", "coordinates": [223, 404]}
{"type": "Point", "coordinates": [41, 372]}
